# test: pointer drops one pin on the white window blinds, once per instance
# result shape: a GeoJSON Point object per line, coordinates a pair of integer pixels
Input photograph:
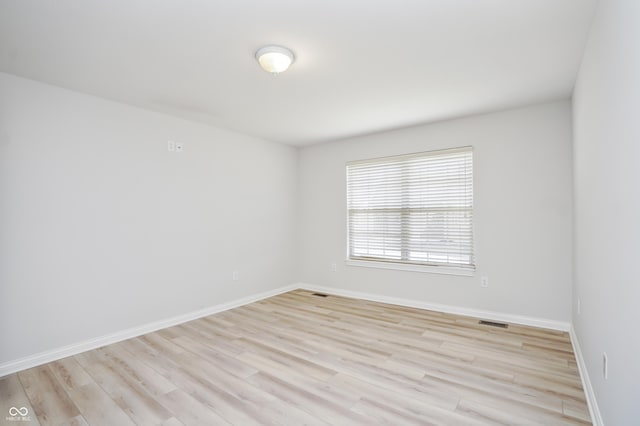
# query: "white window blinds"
{"type": "Point", "coordinates": [415, 209]}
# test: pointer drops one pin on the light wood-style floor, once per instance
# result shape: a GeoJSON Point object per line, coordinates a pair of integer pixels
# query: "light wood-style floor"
{"type": "Point", "coordinates": [300, 359]}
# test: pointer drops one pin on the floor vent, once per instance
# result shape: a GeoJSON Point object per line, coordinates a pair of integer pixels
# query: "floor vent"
{"type": "Point", "coordinates": [319, 294]}
{"type": "Point", "coordinates": [493, 324]}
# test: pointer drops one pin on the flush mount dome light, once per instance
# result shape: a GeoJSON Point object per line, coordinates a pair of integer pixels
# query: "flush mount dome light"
{"type": "Point", "coordinates": [274, 59]}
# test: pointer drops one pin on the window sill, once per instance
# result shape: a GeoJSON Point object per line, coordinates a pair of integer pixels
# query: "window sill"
{"type": "Point", "coordinates": [447, 270]}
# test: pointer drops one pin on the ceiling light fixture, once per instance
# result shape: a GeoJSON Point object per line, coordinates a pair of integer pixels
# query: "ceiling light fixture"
{"type": "Point", "coordinates": [274, 59]}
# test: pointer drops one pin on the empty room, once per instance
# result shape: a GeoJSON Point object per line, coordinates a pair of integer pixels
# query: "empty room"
{"type": "Point", "coordinates": [319, 213]}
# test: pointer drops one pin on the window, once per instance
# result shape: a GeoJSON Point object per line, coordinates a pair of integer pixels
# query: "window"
{"type": "Point", "coordinates": [412, 209]}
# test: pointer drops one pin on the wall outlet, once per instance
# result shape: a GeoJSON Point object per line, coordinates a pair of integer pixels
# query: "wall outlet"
{"type": "Point", "coordinates": [236, 275]}
{"type": "Point", "coordinates": [484, 282]}
{"type": "Point", "coordinates": [334, 267]}
{"type": "Point", "coordinates": [171, 146]}
{"type": "Point", "coordinates": [605, 366]}
{"type": "Point", "coordinates": [179, 146]}
{"type": "Point", "coordinates": [578, 308]}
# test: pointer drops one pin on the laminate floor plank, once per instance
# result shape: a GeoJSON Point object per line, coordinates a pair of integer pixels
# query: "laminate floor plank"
{"type": "Point", "coordinates": [175, 422]}
{"type": "Point", "coordinates": [225, 405]}
{"type": "Point", "coordinates": [308, 399]}
{"type": "Point", "coordinates": [297, 358]}
{"type": "Point", "coordinates": [69, 373]}
{"type": "Point", "coordinates": [378, 413]}
{"type": "Point", "coordinates": [132, 368]}
{"type": "Point", "coordinates": [190, 411]}
{"type": "Point", "coordinates": [220, 359]}
{"type": "Point", "coordinates": [422, 408]}
{"type": "Point", "coordinates": [76, 421]}
{"type": "Point", "coordinates": [576, 409]}
{"type": "Point", "coordinates": [97, 407]}
{"type": "Point", "coordinates": [130, 394]}
{"type": "Point", "coordinates": [335, 395]}
{"type": "Point", "coordinates": [208, 335]}
{"type": "Point", "coordinates": [492, 415]}
{"type": "Point", "coordinates": [50, 401]}
{"type": "Point", "coordinates": [396, 384]}
{"type": "Point", "coordinates": [12, 395]}
{"type": "Point", "coordinates": [149, 356]}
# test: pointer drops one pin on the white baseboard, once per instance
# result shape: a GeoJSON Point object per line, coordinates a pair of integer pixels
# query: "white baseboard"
{"type": "Point", "coordinates": [76, 348]}
{"type": "Point", "coordinates": [596, 417]}
{"type": "Point", "coordinates": [476, 313]}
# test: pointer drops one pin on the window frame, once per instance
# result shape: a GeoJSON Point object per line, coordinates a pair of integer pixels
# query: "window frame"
{"type": "Point", "coordinates": [413, 265]}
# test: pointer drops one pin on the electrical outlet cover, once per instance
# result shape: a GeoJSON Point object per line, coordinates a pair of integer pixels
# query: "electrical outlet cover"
{"type": "Point", "coordinates": [484, 282]}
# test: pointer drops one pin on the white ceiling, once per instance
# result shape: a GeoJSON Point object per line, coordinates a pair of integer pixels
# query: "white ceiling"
{"type": "Point", "coordinates": [362, 65]}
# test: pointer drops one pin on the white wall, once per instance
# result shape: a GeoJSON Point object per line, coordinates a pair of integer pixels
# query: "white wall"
{"type": "Point", "coordinates": [102, 229]}
{"type": "Point", "coordinates": [522, 215]}
{"type": "Point", "coordinates": [607, 208]}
